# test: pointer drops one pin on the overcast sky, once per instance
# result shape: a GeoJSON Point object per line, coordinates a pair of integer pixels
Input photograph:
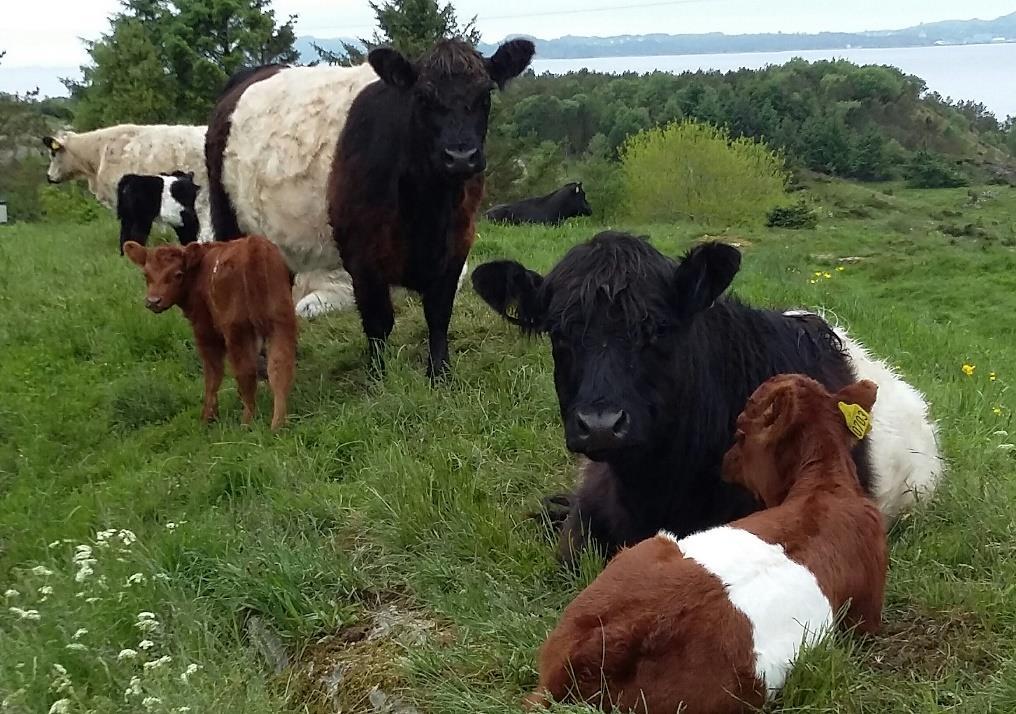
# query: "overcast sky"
{"type": "Point", "coordinates": [47, 34]}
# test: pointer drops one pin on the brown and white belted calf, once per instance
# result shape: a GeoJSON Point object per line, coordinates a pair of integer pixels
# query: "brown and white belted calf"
{"type": "Point", "coordinates": [712, 623]}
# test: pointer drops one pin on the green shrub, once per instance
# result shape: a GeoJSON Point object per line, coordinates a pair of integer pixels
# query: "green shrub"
{"type": "Point", "coordinates": [694, 171]}
{"type": "Point", "coordinates": [19, 186]}
{"type": "Point", "coordinates": [926, 170]}
{"type": "Point", "coordinates": [799, 215]}
{"type": "Point", "coordinates": [69, 203]}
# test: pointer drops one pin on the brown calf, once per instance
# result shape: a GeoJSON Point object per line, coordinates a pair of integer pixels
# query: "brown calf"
{"type": "Point", "coordinates": [712, 623]}
{"type": "Point", "coordinates": [237, 297]}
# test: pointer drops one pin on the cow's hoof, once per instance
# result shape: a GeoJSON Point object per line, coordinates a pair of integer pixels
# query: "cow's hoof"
{"type": "Point", "coordinates": [554, 510]}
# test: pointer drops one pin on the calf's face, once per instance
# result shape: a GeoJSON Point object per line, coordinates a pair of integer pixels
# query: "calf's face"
{"type": "Point", "coordinates": [785, 414]}
{"type": "Point", "coordinates": [449, 93]}
{"type": "Point", "coordinates": [618, 315]}
{"type": "Point", "coordinates": [165, 269]}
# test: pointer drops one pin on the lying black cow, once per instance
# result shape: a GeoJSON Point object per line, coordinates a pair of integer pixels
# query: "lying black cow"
{"type": "Point", "coordinates": [169, 198]}
{"type": "Point", "coordinates": [562, 204]}
{"type": "Point", "coordinates": [652, 367]}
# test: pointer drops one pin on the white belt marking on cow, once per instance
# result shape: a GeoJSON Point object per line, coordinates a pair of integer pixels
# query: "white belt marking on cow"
{"type": "Point", "coordinates": [780, 597]}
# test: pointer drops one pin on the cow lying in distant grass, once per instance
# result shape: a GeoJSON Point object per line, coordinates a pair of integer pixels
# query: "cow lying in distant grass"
{"type": "Point", "coordinates": [237, 298]}
{"type": "Point", "coordinates": [566, 202]}
{"type": "Point", "coordinates": [652, 366]}
{"type": "Point", "coordinates": [169, 198]}
{"type": "Point", "coordinates": [713, 623]}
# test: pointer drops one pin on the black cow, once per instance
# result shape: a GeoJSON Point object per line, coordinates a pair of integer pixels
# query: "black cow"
{"type": "Point", "coordinates": [564, 203]}
{"type": "Point", "coordinates": [168, 198]}
{"type": "Point", "coordinates": [405, 182]}
{"type": "Point", "coordinates": [652, 367]}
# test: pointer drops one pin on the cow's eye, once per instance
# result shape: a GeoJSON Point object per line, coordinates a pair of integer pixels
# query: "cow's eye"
{"type": "Point", "coordinates": [178, 275]}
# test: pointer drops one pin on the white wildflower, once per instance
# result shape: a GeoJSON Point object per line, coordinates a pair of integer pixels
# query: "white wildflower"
{"type": "Point", "coordinates": [186, 674]}
{"type": "Point", "coordinates": [161, 576]}
{"type": "Point", "coordinates": [84, 571]}
{"type": "Point", "coordinates": [150, 702]}
{"type": "Point", "coordinates": [126, 654]}
{"type": "Point", "coordinates": [61, 682]}
{"type": "Point", "coordinates": [79, 634]}
{"type": "Point", "coordinates": [42, 571]}
{"type": "Point", "coordinates": [135, 579]}
{"type": "Point", "coordinates": [46, 590]}
{"type": "Point", "coordinates": [90, 600]}
{"type": "Point", "coordinates": [60, 706]}
{"type": "Point", "coordinates": [147, 626]}
{"type": "Point", "coordinates": [82, 552]}
{"type": "Point", "coordinates": [1001, 432]}
{"type": "Point", "coordinates": [76, 647]}
{"type": "Point", "coordinates": [182, 710]}
{"type": "Point", "coordinates": [147, 616]}
{"type": "Point", "coordinates": [25, 614]}
{"type": "Point", "coordinates": [128, 538]}
{"type": "Point", "coordinates": [134, 690]}
{"type": "Point", "coordinates": [54, 544]}
{"type": "Point", "coordinates": [1007, 447]}
{"type": "Point", "coordinates": [155, 664]}
{"type": "Point", "coordinates": [171, 526]}
{"type": "Point", "coordinates": [146, 645]}
{"type": "Point", "coordinates": [11, 592]}
{"type": "Point", "coordinates": [103, 536]}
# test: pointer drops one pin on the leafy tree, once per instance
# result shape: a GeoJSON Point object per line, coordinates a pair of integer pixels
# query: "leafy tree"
{"type": "Point", "coordinates": [410, 26]}
{"type": "Point", "coordinates": [166, 60]}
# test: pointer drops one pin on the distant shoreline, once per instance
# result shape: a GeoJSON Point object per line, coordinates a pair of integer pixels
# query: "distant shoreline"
{"type": "Point", "coordinates": [538, 58]}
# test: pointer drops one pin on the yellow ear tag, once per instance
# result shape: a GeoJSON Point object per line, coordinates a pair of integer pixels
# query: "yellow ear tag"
{"type": "Point", "coordinates": [56, 146]}
{"type": "Point", "coordinates": [858, 420]}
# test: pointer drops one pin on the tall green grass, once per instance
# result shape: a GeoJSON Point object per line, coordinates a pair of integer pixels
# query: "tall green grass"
{"type": "Point", "coordinates": [376, 553]}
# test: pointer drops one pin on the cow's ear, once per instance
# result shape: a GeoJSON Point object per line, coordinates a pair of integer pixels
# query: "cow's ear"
{"type": "Point", "coordinates": [510, 60]}
{"type": "Point", "coordinates": [192, 255]}
{"type": "Point", "coordinates": [702, 276]}
{"type": "Point", "coordinates": [52, 144]}
{"type": "Point", "coordinates": [137, 253]}
{"type": "Point", "coordinates": [392, 67]}
{"type": "Point", "coordinates": [513, 291]}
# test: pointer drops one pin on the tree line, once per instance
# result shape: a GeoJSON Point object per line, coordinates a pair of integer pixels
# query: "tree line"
{"type": "Point", "coordinates": [165, 61]}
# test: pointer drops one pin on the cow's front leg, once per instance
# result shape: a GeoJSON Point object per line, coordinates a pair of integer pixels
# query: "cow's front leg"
{"type": "Point", "coordinates": [437, 309]}
{"type": "Point", "coordinates": [374, 301]}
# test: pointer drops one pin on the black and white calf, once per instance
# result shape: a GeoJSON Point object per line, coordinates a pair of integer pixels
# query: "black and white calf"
{"type": "Point", "coordinates": [652, 367]}
{"type": "Point", "coordinates": [168, 198]}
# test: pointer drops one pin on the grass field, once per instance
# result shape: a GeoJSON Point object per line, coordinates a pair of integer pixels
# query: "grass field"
{"type": "Point", "coordinates": [374, 556]}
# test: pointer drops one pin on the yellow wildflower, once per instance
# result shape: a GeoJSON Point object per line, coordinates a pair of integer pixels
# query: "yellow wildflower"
{"type": "Point", "coordinates": [827, 275]}
{"type": "Point", "coordinates": [997, 411]}
{"type": "Point", "coordinates": [840, 268]}
{"type": "Point", "coordinates": [992, 376]}
{"type": "Point", "coordinates": [818, 274]}
{"type": "Point", "coordinates": [968, 369]}
{"type": "Point", "coordinates": [812, 282]}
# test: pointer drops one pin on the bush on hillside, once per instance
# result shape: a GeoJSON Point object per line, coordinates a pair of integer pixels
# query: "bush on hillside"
{"type": "Point", "coordinates": [695, 171]}
{"type": "Point", "coordinates": [797, 216]}
{"type": "Point", "coordinates": [69, 203]}
{"type": "Point", "coordinates": [926, 170]}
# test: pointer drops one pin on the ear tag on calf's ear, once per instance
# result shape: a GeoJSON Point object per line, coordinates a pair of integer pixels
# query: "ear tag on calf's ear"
{"type": "Point", "coordinates": [858, 420]}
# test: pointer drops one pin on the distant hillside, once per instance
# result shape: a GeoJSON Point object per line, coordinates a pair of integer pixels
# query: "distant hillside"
{"type": "Point", "coordinates": [950, 32]}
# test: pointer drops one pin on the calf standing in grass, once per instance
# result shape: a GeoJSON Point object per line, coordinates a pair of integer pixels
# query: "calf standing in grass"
{"type": "Point", "coordinates": [712, 623]}
{"type": "Point", "coordinates": [237, 297]}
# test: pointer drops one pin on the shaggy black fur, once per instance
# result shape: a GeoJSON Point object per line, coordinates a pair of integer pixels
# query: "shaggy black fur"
{"type": "Point", "coordinates": [407, 180]}
{"type": "Point", "coordinates": [637, 333]}
{"type": "Point", "coordinates": [564, 203]}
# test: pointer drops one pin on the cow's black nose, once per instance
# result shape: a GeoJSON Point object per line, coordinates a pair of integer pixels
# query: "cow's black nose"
{"type": "Point", "coordinates": [461, 161]}
{"type": "Point", "coordinates": [600, 430]}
